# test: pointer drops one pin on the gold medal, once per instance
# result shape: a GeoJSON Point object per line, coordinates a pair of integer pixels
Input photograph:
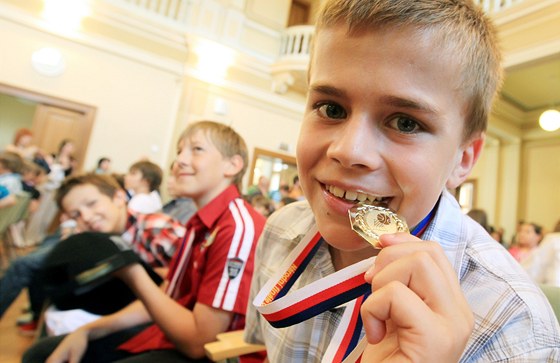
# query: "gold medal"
{"type": "Point", "coordinates": [370, 222]}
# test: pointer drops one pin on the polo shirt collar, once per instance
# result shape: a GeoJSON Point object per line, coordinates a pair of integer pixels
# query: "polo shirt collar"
{"type": "Point", "coordinates": [212, 211]}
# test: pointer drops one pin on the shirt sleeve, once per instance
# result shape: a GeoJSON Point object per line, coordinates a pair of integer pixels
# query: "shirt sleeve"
{"type": "Point", "coordinates": [227, 276]}
{"type": "Point", "coordinates": [164, 235]}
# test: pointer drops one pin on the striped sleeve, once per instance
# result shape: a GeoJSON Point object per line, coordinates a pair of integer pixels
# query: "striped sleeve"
{"type": "Point", "coordinates": [238, 256]}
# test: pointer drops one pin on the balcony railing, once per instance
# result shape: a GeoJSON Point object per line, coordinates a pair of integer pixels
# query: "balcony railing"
{"type": "Point", "coordinates": [177, 11]}
{"type": "Point", "coordinates": [172, 10]}
{"type": "Point", "coordinates": [295, 43]}
{"type": "Point", "coordinates": [494, 6]}
{"type": "Point", "coordinates": [296, 40]}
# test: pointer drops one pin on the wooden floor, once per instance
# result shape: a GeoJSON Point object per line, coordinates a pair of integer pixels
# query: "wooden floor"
{"type": "Point", "coordinates": [12, 345]}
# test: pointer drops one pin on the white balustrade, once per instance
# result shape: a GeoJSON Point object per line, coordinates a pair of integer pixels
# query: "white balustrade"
{"type": "Point", "coordinates": [172, 10]}
{"type": "Point", "coordinates": [296, 40]}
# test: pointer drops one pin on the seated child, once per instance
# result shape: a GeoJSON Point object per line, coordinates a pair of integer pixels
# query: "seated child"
{"type": "Point", "coordinates": [98, 204]}
{"type": "Point", "coordinates": [207, 289]}
{"type": "Point", "coordinates": [142, 182]}
{"type": "Point", "coordinates": [397, 107]}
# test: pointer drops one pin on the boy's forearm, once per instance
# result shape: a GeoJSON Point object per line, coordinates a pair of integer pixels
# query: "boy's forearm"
{"type": "Point", "coordinates": [132, 315]}
{"type": "Point", "coordinates": [177, 322]}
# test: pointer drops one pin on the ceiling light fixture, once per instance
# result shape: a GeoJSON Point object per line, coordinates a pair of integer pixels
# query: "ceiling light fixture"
{"type": "Point", "coordinates": [48, 62]}
{"type": "Point", "coordinates": [550, 120]}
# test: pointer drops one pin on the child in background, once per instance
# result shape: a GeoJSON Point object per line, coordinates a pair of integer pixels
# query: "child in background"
{"type": "Point", "coordinates": [527, 239]}
{"type": "Point", "coordinates": [11, 165]}
{"type": "Point", "coordinates": [397, 106]}
{"type": "Point", "coordinates": [207, 288]}
{"type": "Point", "coordinates": [32, 175]}
{"type": "Point", "coordinates": [142, 182]}
{"type": "Point", "coordinates": [543, 264]}
{"type": "Point", "coordinates": [103, 166]}
{"type": "Point", "coordinates": [262, 204]}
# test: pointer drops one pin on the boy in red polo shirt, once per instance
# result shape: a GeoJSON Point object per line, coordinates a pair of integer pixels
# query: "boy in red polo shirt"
{"type": "Point", "coordinates": [207, 289]}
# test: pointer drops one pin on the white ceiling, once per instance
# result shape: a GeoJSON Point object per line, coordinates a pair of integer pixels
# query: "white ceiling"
{"type": "Point", "coordinates": [534, 86]}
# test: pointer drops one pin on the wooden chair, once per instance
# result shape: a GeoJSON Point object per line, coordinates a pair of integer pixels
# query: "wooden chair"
{"type": "Point", "coordinates": [9, 216]}
{"type": "Point", "coordinates": [229, 346]}
{"type": "Point", "coordinates": [553, 295]}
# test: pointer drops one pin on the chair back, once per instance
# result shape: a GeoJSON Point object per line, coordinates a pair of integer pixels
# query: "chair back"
{"type": "Point", "coordinates": [553, 295]}
{"type": "Point", "coordinates": [14, 213]}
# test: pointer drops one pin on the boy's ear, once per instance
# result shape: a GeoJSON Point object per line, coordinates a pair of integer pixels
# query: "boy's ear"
{"type": "Point", "coordinates": [466, 159]}
{"type": "Point", "coordinates": [234, 165]}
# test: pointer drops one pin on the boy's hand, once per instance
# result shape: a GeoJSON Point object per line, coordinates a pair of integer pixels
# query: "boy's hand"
{"type": "Point", "coordinates": [71, 349]}
{"type": "Point", "coordinates": [128, 274]}
{"type": "Point", "coordinates": [417, 311]}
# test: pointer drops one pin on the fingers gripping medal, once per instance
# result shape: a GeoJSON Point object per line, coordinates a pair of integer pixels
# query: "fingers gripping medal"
{"type": "Point", "coordinates": [371, 221]}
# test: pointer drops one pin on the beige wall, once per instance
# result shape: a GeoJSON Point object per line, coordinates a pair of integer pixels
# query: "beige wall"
{"type": "Point", "coordinates": [14, 114]}
{"type": "Point", "coordinates": [540, 200]}
{"type": "Point", "coordinates": [131, 97]}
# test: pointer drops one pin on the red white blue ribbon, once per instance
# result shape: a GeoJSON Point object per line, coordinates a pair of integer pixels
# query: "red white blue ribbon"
{"type": "Point", "coordinates": [346, 286]}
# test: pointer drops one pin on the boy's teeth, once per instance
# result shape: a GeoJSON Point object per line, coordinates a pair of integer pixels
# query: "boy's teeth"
{"type": "Point", "coordinates": [352, 195]}
{"type": "Point", "coordinates": [337, 191]}
{"type": "Point", "coordinates": [362, 197]}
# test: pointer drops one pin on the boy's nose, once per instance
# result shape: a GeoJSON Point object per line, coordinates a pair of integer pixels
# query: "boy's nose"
{"type": "Point", "coordinates": [356, 145]}
{"type": "Point", "coordinates": [85, 215]}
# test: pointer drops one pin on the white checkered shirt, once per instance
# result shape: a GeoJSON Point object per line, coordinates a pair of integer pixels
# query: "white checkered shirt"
{"type": "Point", "coordinates": [513, 320]}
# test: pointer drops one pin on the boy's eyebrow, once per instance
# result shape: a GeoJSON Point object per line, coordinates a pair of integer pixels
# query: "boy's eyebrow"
{"type": "Point", "coordinates": [408, 103]}
{"type": "Point", "coordinates": [389, 100]}
{"type": "Point", "coordinates": [327, 90]}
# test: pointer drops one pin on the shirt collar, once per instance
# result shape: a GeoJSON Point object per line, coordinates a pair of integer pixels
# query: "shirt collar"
{"type": "Point", "coordinates": [447, 229]}
{"type": "Point", "coordinates": [210, 213]}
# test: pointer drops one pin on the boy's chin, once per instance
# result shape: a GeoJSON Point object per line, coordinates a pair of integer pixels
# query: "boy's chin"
{"type": "Point", "coordinates": [342, 238]}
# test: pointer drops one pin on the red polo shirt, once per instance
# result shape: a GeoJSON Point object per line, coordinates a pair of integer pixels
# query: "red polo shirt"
{"type": "Point", "coordinates": [226, 234]}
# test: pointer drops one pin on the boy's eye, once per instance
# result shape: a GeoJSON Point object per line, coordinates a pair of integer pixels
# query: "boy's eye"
{"type": "Point", "coordinates": [331, 110]}
{"type": "Point", "coordinates": [404, 125]}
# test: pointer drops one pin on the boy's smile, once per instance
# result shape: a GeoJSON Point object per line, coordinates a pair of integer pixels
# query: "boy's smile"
{"type": "Point", "coordinates": [201, 172]}
{"type": "Point", "coordinates": [383, 122]}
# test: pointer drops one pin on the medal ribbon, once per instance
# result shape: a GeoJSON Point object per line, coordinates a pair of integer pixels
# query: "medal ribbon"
{"type": "Point", "coordinates": [346, 286]}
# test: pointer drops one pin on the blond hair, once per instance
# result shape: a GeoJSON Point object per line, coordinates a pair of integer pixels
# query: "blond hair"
{"type": "Point", "coordinates": [228, 142]}
{"type": "Point", "coordinates": [460, 25]}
